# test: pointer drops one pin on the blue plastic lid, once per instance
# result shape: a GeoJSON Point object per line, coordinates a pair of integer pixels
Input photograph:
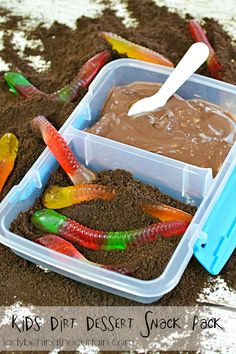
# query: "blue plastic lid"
{"type": "Point", "coordinates": [218, 237]}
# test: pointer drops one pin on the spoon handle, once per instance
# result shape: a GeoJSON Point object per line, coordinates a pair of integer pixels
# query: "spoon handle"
{"type": "Point", "coordinates": [195, 56]}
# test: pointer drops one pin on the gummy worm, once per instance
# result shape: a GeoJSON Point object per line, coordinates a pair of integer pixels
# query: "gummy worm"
{"type": "Point", "coordinates": [166, 212]}
{"type": "Point", "coordinates": [50, 221]}
{"type": "Point", "coordinates": [19, 84]}
{"type": "Point", "coordinates": [65, 157]}
{"type": "Point", "coordinates": [8, 152]}
{"type": "Point", "coordinates": [199, 35]}
{"type": "Point", "coordinates": [60, 245]}
{"type": "Point", "coordinates": [60, 197]}
{"type": "Point", "coordinates": [136, 51]}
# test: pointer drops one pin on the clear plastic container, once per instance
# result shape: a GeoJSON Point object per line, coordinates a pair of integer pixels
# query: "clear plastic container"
{"type": "Point", "coordinates": [183, 181]}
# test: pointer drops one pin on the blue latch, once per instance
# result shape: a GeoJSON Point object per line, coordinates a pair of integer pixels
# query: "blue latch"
{"type": "Point", "coordinates": [219, 230]}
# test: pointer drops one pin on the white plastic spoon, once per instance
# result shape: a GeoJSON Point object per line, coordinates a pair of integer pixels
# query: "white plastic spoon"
{"type": "Point", "coordinates": [196, 55]}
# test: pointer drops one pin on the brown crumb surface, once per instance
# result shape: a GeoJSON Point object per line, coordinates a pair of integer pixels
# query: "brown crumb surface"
{"type": "Point", "coordinates": [121, 213]}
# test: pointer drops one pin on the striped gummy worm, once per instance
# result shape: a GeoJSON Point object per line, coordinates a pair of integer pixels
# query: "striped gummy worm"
{"type": "Point", "coordinates": [20, 85]}
{"type": "Point", "coordinates": [60, 245]}
{"type": "Point", "coordinates": [57, 197]}
{"type": "Point", "coordinates": [166, 212]}
{"type": "Point", "coordinates": [132, 50]}
{"type": "Point", "coordinates": [60, 149]}
{"type": "Point", "coordinates": [199, 35]}
{"type": "Point", "coordinates": [50, 221]}
{"type": "Point", "coordinates": [8, 152]}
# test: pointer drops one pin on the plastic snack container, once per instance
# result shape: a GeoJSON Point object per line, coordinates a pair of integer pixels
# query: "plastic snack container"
{"type": "Point", "coordinates": [211, 236]}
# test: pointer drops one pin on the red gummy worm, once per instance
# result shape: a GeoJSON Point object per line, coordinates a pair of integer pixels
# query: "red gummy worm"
{"type": "Point", "coordinates": [90, 69]}
{"type": "Point", "coordinates": [60, 149]}
{"type": "Point", "coordinates": [49, 220]}
{"type": "Point", "coordinates": [60, 245]}
{"type": "Point", "coordinates": [199, 35]}
{"type": "Point", "coordinates": [101, 240]}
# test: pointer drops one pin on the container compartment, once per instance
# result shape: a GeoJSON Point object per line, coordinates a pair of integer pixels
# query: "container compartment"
{"type": "Point", "coordinates": [125, 71]}
{"type": "Point", "coordinates": [99, 154]}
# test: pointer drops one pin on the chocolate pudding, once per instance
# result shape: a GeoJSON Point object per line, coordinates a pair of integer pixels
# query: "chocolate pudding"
{"type": "Point", "coordinates": [193, 131]}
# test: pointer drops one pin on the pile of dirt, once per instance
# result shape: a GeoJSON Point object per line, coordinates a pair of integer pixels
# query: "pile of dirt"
{"type": "Point", "coordinates": [121, 213]}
